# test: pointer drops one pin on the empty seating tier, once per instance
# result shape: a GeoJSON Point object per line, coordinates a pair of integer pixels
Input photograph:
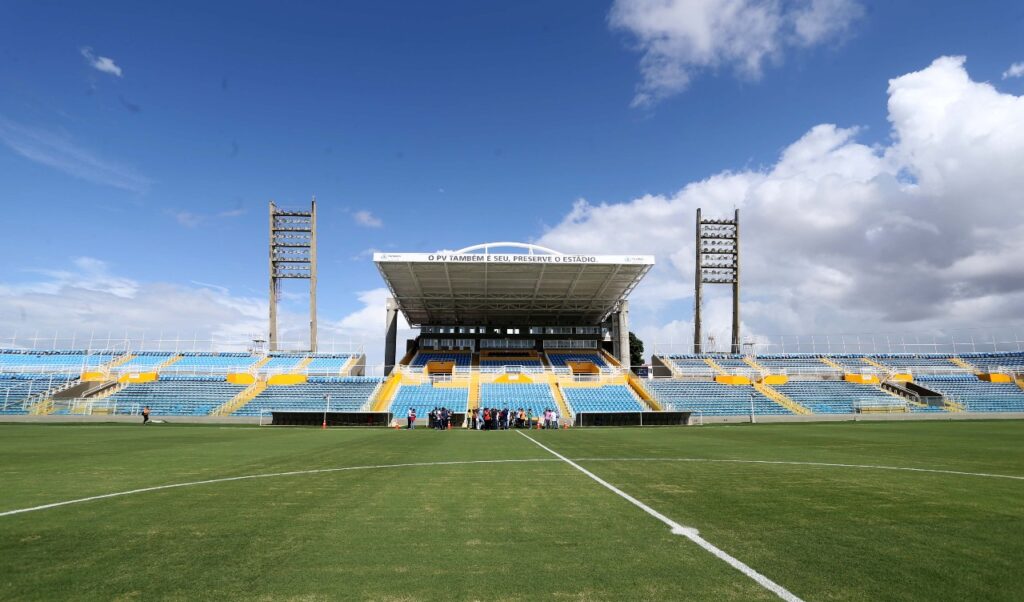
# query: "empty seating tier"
{"type": "Point", "coordinates": [995, 362]}
{"type": "Point", "coordinates": [562, 359]}
{"type": "Point", "coordinates": [691, 365]}
{"type": "Point", "coordinates": [795, 364]}
{"type": "Point", "coordinates": [976, 395]}
{"type": "Point", "coordinates": [423, 357]}
{"type": "Point", "coordinates": [426, 397]}
{"type": "Point", "coordinates": [214, 363]}
{"type": "Point", "coordinates": [609, 398]}
{"type": "Point", "coordinates": [17, 389]}
{"type": "Point", "coordinates": [920, 364]}
{"type": "Point", "coordinates": [175, 396]}
{"type": "Point", "coordinates": [347, 394]}
{"type": "Point", "coordinates": [835, 396]}
{"type": "Point", "coordinates": [328, 365]}
{"type": "Point", "coordinates": [145, 361]}
{"type": "Point", "coordinates": [712, 399]}
{"type": "Point", "coordinates": [533, 397]}
{"type": "Point", "coordinates": [52, 361]}
{"type": "Point", "coordinates": [281, 363]}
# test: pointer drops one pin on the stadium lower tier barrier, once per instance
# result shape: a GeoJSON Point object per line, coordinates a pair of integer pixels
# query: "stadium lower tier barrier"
{"type": "Point", "coordinates": [331, 418]}
{"type": "Point", "coordinates": [666, 418]}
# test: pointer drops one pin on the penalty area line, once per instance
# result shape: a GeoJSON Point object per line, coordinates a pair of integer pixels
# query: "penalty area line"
{"type": "Point", "coordinates": [679, 529]}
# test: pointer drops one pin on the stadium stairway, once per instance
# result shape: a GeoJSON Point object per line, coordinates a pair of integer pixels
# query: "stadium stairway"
{"type": "Point", "coordinates": [884, 369]}
{"type": "Point", "coordinates": [386, 393]}
{"type": "Point", "coordinates": [473, 401]}
{"type": "Point", "coordinates": [714, 366]}
{"type": "Point", "coordinates": [170, 360]}
{"type": "Point", "coordinates": [238, 401]}
{"type": "Point", "coordinates": [962, 364]}
{"type": "Point", "coordinates": [781, 399]}
{"type": "Point", "coordinates": [117, 361]}
{"type": "Point", "coordinates": [831, 364]}
{"type": "Point", "coordinates": [306, 361]}
{"type": "Point", "coordinates": [641, 391]}
{"type": "Point", "coordinates": [559, 397]}
{"type": "Point", "coordinates": [753, 364]}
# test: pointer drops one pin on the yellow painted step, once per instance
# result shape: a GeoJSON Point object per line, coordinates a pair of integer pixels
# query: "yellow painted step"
{"type": "Point", "coordinates": [872, 362]}
{"type": "Point", "coordinates": [753, 364]}
{"type": "Point", "coordinates": [781, 399]}
{"type": "Point", "coordinates": [832, 364]}
{"type": "Point", "coordinates": [641, 391]}
{"type": "Point", "coordinates": [563, 407]}
{"type": "Point", "coordinates": [387, 392]}
{"type": "Point", "coordinates": [961, 363]}
{"type": "Point", "coordinates": [238, 401]}
{"type": "Point", "coordinates": [473, 401]}
{"type": "Point", "coordinates": [714, 366]}
{"type": "Point", "coordinates": [169, 361]}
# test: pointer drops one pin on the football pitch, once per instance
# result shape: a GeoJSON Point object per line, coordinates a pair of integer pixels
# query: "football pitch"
{"type": "Point", "coordinates": [831, 511]}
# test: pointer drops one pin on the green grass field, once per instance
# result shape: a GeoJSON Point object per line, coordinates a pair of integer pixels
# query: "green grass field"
{"type": "Point", "coordinates": [525, 526]}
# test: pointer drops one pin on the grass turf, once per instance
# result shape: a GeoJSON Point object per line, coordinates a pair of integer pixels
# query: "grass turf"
{"type": "Point", "coordinates": [517, 530]}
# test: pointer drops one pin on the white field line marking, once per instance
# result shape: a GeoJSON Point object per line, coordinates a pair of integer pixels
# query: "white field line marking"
{"type": "Point", "coordinates": [265, 476]}
{"type": "Point", "coordinates": [420, 464]}
{"type": "Point", "coordinates": [823, 464]}
{"type": "Point", "coordinates": [678, 529]}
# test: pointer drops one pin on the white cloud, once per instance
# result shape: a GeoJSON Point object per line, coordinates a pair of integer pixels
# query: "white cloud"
{"type": "Point", "coordinates": [60, 152]}
{"type": "Point", "coordinates": [100, 63]}
{"type": "Point", "coordinates": [86, 301]}
{"type": "Point", "coordinates": [925, 233]}
{"type": "Point", "coordinates": [1015, 70]}
{"type": "Point", "coordinates": [191, 219]}
{"type": "Point", "coordinates": [366, 219]}
{"type": "Point", "coordinates": [679, 38]}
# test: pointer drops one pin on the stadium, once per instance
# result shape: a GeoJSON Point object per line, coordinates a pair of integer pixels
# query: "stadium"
{"type": "Point", "coordinates": [201, 504]}
{"type": "Point", "coordinates": [512, 301]}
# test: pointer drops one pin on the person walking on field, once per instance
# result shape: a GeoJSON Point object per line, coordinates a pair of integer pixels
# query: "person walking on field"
{"type": "Point", "coordinates": [145, 416]}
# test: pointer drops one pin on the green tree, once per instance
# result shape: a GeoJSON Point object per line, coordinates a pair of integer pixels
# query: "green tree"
{"type": "Point", "coordinates": [636, 351]}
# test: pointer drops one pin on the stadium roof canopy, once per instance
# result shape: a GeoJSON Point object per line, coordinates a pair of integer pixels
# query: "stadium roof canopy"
{"type": "Point", "coordinates": [529, 286]}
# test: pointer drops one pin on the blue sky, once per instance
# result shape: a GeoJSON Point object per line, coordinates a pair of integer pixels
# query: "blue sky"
{"type": "Point", "coordinates": [451, 123]}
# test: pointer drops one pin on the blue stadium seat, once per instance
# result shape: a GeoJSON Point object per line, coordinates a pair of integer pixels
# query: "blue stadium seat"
{"type": "Point", "coordinates": [608, 398]}
{"type": "Point", "coordinates": [533, 397]}
{"type": "Point", "coordinates": [977, 395]}
{"type": "Point", "coordinates": [426, 397]}
{"type": "Point", "coordinates": [711, 398]}
{"type": "Point", "coordinates": [347, 394]}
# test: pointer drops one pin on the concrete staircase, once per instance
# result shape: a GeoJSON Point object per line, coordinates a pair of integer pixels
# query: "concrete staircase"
{"type": "Point", "coordinates": [781, 399]}
{"type": "Point", "coordinates": [238, 401]}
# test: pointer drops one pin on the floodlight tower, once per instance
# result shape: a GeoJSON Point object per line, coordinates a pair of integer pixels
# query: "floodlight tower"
{"type": "Point", "coordinates": [292, 255]}
{"type": "Point", "coordinates": [718, 262]}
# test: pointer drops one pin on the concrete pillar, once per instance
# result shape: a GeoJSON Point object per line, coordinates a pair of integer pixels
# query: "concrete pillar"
{"type": "Point", "coordinates": [390, 336]}
{"type": "Point", "coordinates": [622, 318]}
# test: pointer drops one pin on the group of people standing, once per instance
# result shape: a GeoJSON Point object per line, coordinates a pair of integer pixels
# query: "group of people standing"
{"type": "Point", "coordinates": [437, 418]}
{"type": "Point", "coordinates": [488, 419]}
{"type": "Point", "coordinates": [495, 419]}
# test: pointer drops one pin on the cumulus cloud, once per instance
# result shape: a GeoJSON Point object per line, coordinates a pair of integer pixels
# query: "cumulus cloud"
{"type": "Point", "coordinates": [926, 232]}
{"type": "Point", "coordinates": [100, 63]}
{"type": "Point", "coordinates": [679, 38]}
{"type": "Point", "coordinates": [367, 219]}
{"type": "Point", "coordinates": [59, 151]}
{"type": "Point", "coordinates": [1015, 70]}
{"type": "Point", "coordinates": [86, 302]}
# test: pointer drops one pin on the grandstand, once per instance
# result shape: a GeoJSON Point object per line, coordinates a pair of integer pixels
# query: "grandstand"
{"type": "Point", "coordinates": [528, 328]}
{"type": "Point", "coordinates": [189, 383]}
